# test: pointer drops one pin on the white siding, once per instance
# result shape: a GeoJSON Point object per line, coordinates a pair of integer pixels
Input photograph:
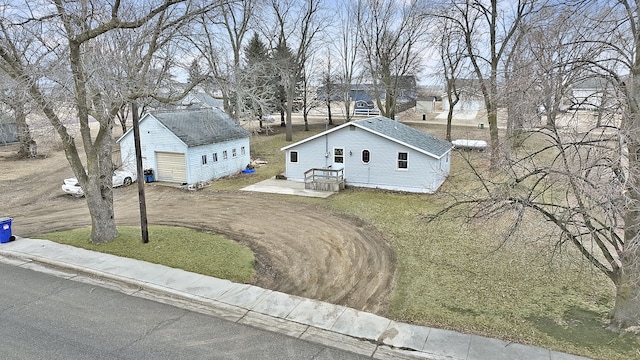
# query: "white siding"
{"type": "Point", "coordinates": [424, 106]}
{"type": "Point", "coordinates": [215, 170]}
{"type": "Point", "coordinates": [424, 173]}
{"type": "Point", "coordinates": [154, 137]}
{"type": "Point", "coordinates": [587, 99]}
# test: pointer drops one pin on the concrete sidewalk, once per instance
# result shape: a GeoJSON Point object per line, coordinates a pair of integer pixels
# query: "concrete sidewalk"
{"type": "Point", "coordinates": [311, 320]}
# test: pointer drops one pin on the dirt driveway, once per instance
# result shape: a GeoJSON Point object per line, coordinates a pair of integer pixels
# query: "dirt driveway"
{"type": "Point", "coordinates": [300, 249]}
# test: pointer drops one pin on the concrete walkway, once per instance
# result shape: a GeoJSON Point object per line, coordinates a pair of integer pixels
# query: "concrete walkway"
{"type": "Point", "coordinates": [311, 320]}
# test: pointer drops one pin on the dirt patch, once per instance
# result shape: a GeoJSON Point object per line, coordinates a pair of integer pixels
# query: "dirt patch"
{"type": "Point", "coordinates": [300, 249]}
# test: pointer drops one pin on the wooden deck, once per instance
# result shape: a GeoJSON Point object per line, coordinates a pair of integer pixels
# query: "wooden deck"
{"type": "Point", "coordinates": [324, 179]}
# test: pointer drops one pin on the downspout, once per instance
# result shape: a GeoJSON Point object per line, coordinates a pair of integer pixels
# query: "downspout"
{"type": "Point", "coordinates": [326, 151]}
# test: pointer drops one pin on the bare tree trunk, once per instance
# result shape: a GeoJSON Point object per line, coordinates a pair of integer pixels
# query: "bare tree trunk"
{"type": "Point", "coordinates": [626, 311]}
{"type": "Point", "coordinates": [291, 91]}
{"type": "Point", "coordinates": [99, 189]}
{"type": "Point", "coordinates": [99, 201]}
{"type": "Point", "coordinates": [27, 144]}
{"type": "Point", "coordinates": [453, 98]}
{"type": "Point", "coordinates": [122, 117]}
{"type": "Point", "coordinates": [492, 118]}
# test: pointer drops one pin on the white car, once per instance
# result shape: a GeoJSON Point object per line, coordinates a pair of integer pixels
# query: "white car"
{"type": "Point", "coordinates": [71, 186]}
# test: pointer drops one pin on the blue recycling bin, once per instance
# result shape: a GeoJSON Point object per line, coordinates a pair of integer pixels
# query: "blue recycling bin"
{"type": "Point", "coordinates": [148, 175]}
{"type": "Point", "coordinates": [5, 230]}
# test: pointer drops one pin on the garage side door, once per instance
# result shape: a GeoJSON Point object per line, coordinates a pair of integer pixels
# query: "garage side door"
{"type": "Point", "coordinates": [171, 167]}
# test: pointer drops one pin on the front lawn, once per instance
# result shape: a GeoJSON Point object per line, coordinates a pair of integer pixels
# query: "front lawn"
{"type": "Point", "coordinates": [188, 249]}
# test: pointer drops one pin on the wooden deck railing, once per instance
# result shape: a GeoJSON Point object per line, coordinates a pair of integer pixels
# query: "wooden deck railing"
{"type": "Point", "coordinates": [324, 179]}
{"type": "Point", "coordinates": [317, 174]}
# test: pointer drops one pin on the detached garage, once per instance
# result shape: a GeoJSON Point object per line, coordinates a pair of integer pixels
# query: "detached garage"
{"type": "Point", "coordinates": [188, 146]}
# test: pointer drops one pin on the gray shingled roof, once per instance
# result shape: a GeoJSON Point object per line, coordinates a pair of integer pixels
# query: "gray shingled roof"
{"type": "Point", "coordinates": [201, 127]}
{"type": "Point", "coordinates": [406, 134]}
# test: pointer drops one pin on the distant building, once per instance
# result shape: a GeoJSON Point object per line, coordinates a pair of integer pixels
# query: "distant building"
{"type": "Point", "coordinates": [589, 94]}
{"type": "Point", "coordinates": [8, 129]}
{"type": "Point", "coordinates": [200, 100]}
{"type": "Point", "coordinates": [471, 97]}
{"type": "Point", "coordinates": [366, 92]}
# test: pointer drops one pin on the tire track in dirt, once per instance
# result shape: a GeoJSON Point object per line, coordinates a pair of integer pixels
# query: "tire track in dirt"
{"type": "Point", "coordinates": [300, 249]}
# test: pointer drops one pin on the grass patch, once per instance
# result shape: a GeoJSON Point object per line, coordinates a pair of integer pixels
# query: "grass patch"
{"type": "Point", "coordinates": [583, 329]}
{"type": "Point", "coordinates": [196, 251]}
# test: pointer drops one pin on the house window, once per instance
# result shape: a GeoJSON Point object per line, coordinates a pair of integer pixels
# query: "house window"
{"type": "Point", "coordinates": [403, 160]}
{"type": "Point", "coordinates": [214, 158]}
{"type": "Point", "coordinates": [242, 151]}
{"type": "Point", "coordinates": [234, 153]}
{"type": "Point", "coordinates": [338, 155]}
{"type": "Point", "coordinates": [204, 159]}
{"type": "Point", "coordinates": [224, 155]}
{"type": "Point", "coordinates": [366, 156]}
{"type": "Point", "coordinates": [293, 156]}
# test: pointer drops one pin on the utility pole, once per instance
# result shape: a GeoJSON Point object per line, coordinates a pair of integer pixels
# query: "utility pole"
{"type": "Point", "coordinates": [141, 198]}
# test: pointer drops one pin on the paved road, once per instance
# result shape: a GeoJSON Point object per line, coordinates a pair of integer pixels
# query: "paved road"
{"type": "Point", "coordinates": [47, 317]}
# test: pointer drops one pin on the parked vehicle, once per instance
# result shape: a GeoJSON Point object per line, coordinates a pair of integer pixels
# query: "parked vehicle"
{"type": "Point", "coordinates": [72, 187]}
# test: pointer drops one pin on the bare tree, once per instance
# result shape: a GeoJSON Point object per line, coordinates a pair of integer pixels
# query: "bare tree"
{"type": "Point", "coordinates": [75, 38]}
{"type": "Point", "coordinates": [220, 33]}
{"type": "Point", "coordinates": [488, 28]}
{"type": "Point", "coordinates": [392, 35]}
{"type": "Point", "coordinates": [452, 55]}
{"type": "Point", "coordinates": [297, 25]}
{"type": "Point", "coordinates": [519, 93]}
{"type": "Point", "coordinates": [309, 91]}
{"type": "Point", "coordinates": [556, 48]}
{"type": "Point", "coordinates": [585, 182]}
{"type": "Point", "coordinates": [257, 83]}
{"type": "Point", "coordinates": [622, 39]}
{"type": "Point", "coordinates": [329, 88]}
{"type": "Point", "coordinates": [346, 48]}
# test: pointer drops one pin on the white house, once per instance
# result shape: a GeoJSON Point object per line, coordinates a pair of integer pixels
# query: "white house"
{"type": "Point", "coordinates": [187, 146]}
{"type": "Point", "coordinates": [376, 153]}
{"type": "Point", "coordinates": [590, 93]}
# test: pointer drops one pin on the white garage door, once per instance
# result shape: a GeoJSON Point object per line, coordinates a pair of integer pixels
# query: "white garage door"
{"type": "Point", "coordinates": [171, 167]}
